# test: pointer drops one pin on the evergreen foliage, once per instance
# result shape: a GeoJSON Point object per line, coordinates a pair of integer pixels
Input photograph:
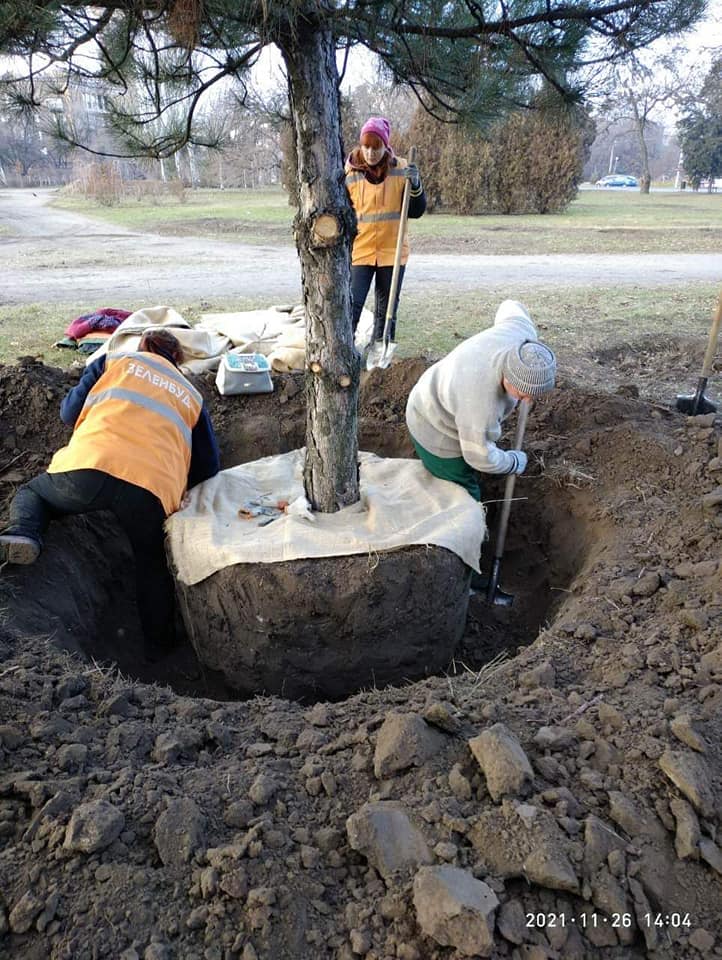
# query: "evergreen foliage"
{"type": "Point", "coordinates": [700, 131]}
{"type": "Point", "coordinates": [157, 60]}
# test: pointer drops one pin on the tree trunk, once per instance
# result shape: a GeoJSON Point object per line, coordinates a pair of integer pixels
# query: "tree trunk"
{"type": "Point", "coordinates": [193, 166]}
{"type": "Point", "coordinates": [324, 227]}
{"type": "Point", "coordinates": [640, 123]}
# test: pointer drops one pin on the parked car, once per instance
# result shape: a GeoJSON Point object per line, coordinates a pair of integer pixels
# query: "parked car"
{"type": "Point", "coordinates": [617, 180]}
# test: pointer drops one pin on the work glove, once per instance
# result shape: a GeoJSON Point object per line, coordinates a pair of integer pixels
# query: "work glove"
{"type": "Point", "coordinates": [300, 507]}
{"type": "Point", "coordinates": [521, 461]}
{"type": "Point", "coordinates": [411, 172]}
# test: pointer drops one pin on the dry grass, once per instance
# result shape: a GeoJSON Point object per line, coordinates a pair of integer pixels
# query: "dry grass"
{"type": "Point", "coordinates": [564, 473]}
{"type": "Point", "coordinates": [474, 680]}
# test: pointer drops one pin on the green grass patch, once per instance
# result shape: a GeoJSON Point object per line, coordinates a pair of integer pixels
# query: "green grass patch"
{"type": "Point", "coordinates": [576, 322]}
{"type": "Point", "coordinates": [573, 320]}
{"type": "Point", "coordinates": [249, 215]}
{"type": "Point", "coordinates": [598, 221]}
{"type": "Point", "coordinates": [32, 329]}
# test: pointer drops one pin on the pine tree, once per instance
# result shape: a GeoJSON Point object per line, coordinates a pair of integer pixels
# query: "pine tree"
{"type": "Point", "coordinates": [477, 58]}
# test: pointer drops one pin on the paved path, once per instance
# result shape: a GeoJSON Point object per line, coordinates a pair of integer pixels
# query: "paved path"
{"type": "Point", "coordinates": [52, 255]}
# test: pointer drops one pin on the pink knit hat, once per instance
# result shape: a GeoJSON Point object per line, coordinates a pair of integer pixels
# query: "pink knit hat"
{"type": "Point", "coordinates": [381, 127]}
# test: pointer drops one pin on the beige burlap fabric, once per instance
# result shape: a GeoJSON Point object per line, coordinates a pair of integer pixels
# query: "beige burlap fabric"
{"type": "Point", "coordinates": [401, 504]}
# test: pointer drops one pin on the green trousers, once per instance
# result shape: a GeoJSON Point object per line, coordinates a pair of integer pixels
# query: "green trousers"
{"type": "Point", "coordinates": [455, 469]}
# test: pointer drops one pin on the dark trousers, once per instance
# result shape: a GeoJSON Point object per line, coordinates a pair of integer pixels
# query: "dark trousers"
{"type": "Point", "coordinates": [139, 513]}
{"type": "Point", "coordinates": [361, 278]}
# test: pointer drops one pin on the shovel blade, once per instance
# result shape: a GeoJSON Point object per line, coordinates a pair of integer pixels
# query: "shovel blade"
{"type": "Point", "coordinates": [496, 598]}
{"type": "Point", "coordinates": [491, 591]}
{"type": "Point", "coordinates": [388, 353]}
{"type": "Point", "coordinates": [374, 355]}
{"type": "Point", "coordinates": [500, 599]}
{"type": "Point", "coordinates": [695, 406]}
{"type": "Point", "coordinates": [380, 355]}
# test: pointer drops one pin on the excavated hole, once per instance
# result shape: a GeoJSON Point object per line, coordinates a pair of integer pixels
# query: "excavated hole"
{"type": "Point", "coordinates": [82, 590]}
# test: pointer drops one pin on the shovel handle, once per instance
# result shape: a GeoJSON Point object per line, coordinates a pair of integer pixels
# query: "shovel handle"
{"type": "Point", "coordinates": [510, 481]}
{"type": "Point", "coordinates": [713, 337]}
{"type": "Point", "coordinates": [399, 248]}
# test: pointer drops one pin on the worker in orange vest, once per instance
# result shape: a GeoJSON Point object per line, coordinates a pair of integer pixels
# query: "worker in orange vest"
{"type": "Point", "coordinates": [141, 437]}
{"type": "Point", "coordinates": [375, 179]}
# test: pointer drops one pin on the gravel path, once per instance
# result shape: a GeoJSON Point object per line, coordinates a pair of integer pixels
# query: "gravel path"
{"type": "Point", "coordinates": [52, 255]}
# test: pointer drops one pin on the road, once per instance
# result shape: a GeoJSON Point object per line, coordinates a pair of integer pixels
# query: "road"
{"type": "Point", "coordinates": [49, 255]}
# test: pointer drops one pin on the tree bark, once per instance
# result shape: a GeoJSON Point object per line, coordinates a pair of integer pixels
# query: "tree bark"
{"type": "Point", "coordinates": [324, 228]}
{"type": "Point", "coordinates": [640, 123]}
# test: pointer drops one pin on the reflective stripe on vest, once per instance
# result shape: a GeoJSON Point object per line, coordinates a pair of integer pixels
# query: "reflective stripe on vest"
{"type": "Point", "coordinates": [137, 425]}
{"type": "Point", "coordinates": [377, 217]}
{"type": "Point", "coordinates": [118, 393]}
{"type": "Point", "coordinates": [378, 212]}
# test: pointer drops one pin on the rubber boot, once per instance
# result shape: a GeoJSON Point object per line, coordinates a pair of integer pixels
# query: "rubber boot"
{"type": "Point", "coordinates": [15, 548]}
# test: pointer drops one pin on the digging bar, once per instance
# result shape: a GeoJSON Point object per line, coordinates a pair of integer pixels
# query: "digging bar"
{"type": "Point", "coordinates": [388, 348]}
{"type": "Point", "coordinates": [494, 594]}
{"type": "Point", "coordinates": [698, 402]}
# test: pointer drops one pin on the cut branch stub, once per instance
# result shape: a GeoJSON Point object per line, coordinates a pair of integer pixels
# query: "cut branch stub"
{"type": "Point", "coordinates": [325, 230]}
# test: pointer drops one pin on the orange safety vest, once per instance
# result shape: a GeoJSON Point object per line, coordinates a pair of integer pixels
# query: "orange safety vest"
{"type": "Point", "coordinates": [136, 424]}
{"type": "Point", "coordinates": [378, 212]}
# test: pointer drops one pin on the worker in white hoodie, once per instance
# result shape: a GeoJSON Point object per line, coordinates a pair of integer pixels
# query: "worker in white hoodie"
{"type": "Point", "coordinates": [455, 411]}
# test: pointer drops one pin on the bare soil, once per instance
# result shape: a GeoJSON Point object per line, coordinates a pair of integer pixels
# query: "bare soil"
{"type": "Point", "coordinates": [217, 829]}
{"type": "Point", "coordinates": [320, 629]}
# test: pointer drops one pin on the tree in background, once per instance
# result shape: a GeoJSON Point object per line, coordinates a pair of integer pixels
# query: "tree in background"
{"type": "Point", "coordinates": [633, 94]}
{"type": "Point", "coordinates": [429, 134]}
{"type": "Point", "coordinates": [700, 131]}
{"type": "Point", "coordinates": [21, 144]}
{"type": "Point", "coordinates": [29, 156]}
{"type": "Point", "coordinates": [616, 150]}
{"type": "Point", "coordinates": [249, 154]}
{"type": "Point", "coordinates": [481, 59]}
{"type": "Point", "coordinates": [381, 98]}
{"type": "Point", "coordinates": [536, 163]}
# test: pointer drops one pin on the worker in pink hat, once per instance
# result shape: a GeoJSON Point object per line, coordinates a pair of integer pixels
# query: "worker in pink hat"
{"type": "Point", "coordinates": [375, 178]}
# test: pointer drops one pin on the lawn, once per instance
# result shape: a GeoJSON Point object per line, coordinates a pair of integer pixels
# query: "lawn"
{"type": "Point", "coordinates": [576, 322]}
{"type": "Point", "coordinates": [598, 221]}
{"type": "Point", "coordinates": [572, 320]}
{"type": "Point", "coordinates": [32, 329]}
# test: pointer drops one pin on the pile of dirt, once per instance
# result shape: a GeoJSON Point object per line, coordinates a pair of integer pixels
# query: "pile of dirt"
{"type": "Point", "coordinates": [556, 794]}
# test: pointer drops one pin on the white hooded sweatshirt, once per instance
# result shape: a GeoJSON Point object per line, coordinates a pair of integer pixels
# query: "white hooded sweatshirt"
{"type": "Point", "coordinates": [457, 406]}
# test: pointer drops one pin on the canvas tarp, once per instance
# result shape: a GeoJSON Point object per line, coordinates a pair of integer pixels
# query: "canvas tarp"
{"type": "Point", "coordinates": [199, 345]}
{"type": "Point", "coordinates": [277, 333]}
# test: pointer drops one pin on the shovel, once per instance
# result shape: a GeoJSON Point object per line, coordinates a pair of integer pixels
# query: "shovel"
{"type": "Point", "coordinates": [494, 594]}
{"type": "Point", "coordinates": [380, 354]}
{"type": "Point", "coordinates": [697, 403]}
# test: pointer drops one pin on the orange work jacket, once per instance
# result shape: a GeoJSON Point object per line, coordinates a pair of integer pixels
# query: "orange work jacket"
{"type": "Point", "coordinates": [378, 212]}
{"type": "Point", "coordinates": [136, 424]}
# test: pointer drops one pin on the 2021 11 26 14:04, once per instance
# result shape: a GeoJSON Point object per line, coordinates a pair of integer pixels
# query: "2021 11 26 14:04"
{"type": "Point", "coordinates": [591, 920]}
